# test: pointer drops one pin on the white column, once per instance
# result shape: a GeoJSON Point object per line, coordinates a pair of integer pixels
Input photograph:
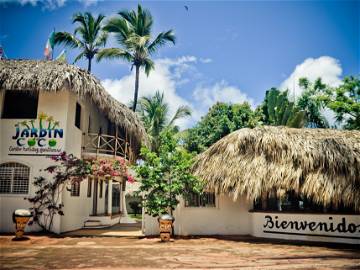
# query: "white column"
{"type": "Point", "coordinates": [123, 201]}
{"type": "Point", "coordinates": [109, 196]}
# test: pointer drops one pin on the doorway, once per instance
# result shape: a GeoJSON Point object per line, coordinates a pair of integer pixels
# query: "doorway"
{"type": "Point", "coordinates": [116, 197]}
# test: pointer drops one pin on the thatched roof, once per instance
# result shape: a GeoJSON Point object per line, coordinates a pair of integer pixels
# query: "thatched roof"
{"type": "Point", "coordinates": [322, 164]}
{"type": "Point", "coordinates": [53, 76]}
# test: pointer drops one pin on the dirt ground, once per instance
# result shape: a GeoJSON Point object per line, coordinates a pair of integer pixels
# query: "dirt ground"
{"type": "Point", "coordinates": [43, 252]}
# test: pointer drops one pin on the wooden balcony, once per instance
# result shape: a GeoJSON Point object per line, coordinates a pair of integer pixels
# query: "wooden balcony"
{"type": "Point", "coordinates": [106, 145]}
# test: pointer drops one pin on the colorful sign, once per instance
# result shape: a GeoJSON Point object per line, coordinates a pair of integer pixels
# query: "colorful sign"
{"type": "Point", "coordinates": [37, 137]}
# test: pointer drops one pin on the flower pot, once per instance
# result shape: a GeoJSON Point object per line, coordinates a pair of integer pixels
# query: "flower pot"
{"type": "Point", "coordinates": [21, 218]}
{"type": "Point", "coordinates": [165, 226]}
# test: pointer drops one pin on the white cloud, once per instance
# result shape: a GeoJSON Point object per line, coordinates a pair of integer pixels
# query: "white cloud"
{"type": "Point", "coordinates": [88, 3]}
{"type": "Point", "coordinates": [54, 4]}
{"type": "Point", "coordinates": [221, 91]}
{"type": "Point", "coordinates": [164, 78]}
{"type": "Point", "coordinates": [47, 4]}
{"type": "Point", "coordinates": [325, 67]}
{"type": "Point", "coordinates": [168, 75]}
{"type": "Point", "coordinates": [205, 60]}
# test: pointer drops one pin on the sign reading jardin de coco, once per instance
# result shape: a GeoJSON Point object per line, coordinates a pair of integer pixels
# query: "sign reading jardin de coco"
{"type": "Point", "coordinates": [329, 227]}
{"type": "Point", "coordinates": [37, 137]}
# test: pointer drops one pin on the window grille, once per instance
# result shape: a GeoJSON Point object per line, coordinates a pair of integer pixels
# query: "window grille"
{"type": "Point", "coordinates": [75, 189]}
{"type": "Point", "coordinates": [206, 199]}
{"type": "Point", "coordinates": [14, 178]}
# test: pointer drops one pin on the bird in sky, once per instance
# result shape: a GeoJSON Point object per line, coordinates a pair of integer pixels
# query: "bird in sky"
{"type": "Point", "coordinates": [187, 8]}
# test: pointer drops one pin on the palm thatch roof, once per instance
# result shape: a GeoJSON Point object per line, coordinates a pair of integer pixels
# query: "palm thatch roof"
{"type": "Point", "coordinates": [322, 164]}
{"type": "Point", "coordinates": [54, 76]}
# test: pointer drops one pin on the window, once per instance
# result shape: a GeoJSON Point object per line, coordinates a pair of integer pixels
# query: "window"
{"type": "Point", "coordinates": [290, 201]}
{"type": "Point", "coordinates": [206, 199]}
{"type": "Point", "coordinates": [101, 189]}
{"type": "Point", "coordinates": [14, 178]}
{"type": "Point", "coordinates": [75, 189]}
{"type": "Point", "coordinates": [78, 115]}
{"type": "Point", "coordinates": [89, 187]}
{"type": "Point", "coordinates": [20, 104]}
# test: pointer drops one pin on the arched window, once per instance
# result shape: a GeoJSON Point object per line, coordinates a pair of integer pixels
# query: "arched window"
{"type": "Point", "coordinates": [14, 178]}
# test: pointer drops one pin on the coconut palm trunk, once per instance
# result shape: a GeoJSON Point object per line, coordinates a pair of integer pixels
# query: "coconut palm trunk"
{"type": "Point", "coordinates": [137, 71]}
{"type": "Point", "coordinates": [89, 65]}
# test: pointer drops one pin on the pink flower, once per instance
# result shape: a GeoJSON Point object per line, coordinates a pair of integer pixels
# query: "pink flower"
{"type": "Point", "coordinates": [130, 178]}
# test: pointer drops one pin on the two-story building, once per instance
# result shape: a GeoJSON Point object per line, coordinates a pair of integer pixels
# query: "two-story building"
{"type": "Point", "coordinates": [49, 107]}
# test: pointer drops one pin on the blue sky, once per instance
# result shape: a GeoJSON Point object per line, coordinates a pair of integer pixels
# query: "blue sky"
{"type": "Point", "coordinates": [226, 51]}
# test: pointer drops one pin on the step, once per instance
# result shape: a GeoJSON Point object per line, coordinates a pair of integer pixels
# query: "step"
{"type": "Point", "coordinates": [95, 224]}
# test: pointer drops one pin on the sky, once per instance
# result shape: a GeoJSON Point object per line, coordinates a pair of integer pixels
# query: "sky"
{"type": "Point", "coordinates": [229, 51]}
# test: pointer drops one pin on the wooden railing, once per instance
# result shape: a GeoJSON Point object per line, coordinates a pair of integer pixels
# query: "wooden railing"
{"type": "Point", "coordinates": [102, 144]}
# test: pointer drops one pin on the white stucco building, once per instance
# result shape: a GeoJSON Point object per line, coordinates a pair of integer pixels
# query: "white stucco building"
{"type": "Point", "coordinates": [47, 108]}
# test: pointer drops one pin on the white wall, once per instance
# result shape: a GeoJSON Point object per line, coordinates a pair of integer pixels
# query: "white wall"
{"type": "Point", "coordinates": [228, 217]}
{"type": "Point", "coordinates": [76, 208]}
{"type": "Point", "coordinates": [54, 105]}
{"type": "Point", "coordinates": [231, 218]}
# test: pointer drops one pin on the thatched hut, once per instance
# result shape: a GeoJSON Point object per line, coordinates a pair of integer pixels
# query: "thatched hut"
{"type": "Point", "coordinates": [54, 76]}
{"type": "Point", "coordinates": [276, 182]}
{"type": "Point", "coordinates": [321, 164]}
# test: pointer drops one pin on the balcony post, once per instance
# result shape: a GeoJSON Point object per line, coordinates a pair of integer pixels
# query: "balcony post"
{"type": "Point", "coordinates": [125, 154]}
{"type": "Point", "coordinates": [83, 143]}
{"type": "Point", "coordinates": [116, 141]}
{"type": "Point", "coordinates": [98, 145]}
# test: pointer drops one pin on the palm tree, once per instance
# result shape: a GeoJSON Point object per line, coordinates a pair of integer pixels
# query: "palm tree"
{"type": "Point", "coordinates": [154, 112]}
{"type": "Point", "coordinates": [310, 103]}
{"type": "Point", "coordinates": [277, 110]}
{"type": "Point", "coordinates": [133, 33]}
{"type": "Point", "coordinates": [92, 37]}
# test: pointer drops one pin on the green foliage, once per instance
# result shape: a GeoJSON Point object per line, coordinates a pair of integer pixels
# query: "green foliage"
{"type": "Point", "coordinates": [165, 176]}
{"type": "Point", "coordinates": [221, 120]}
{"type": "Point", "coordinates": [154, 113]}
{"type": "Point", "coordinates": [132, 30]}
{"type": "Point", "coordinates": [92, 37]}
{"type": "Point", "coordinates": [310, 103]}
{"type": "Point", "coordinates": [135, 206]}
{"type": "Point", "coordinates": [277, 110]}
{"type": "Point", "coordinates": [345, 102]}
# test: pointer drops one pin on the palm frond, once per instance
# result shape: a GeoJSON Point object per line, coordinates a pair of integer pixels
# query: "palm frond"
{"type": "Point", "coordinates": [161, 40]}
{"type": "Point", "coordinates": [81, 55]}
{"type": "Point", "coordinates": [149, 65]}
{"type": "Point", "coordinates": [181, 112]}
{"type": "Point", "coordinates": [119, 27]}
{"type": "Point", "coordinates": [84, 26]}
{"type": "Point", "coordinates": [101, 40]}
{"type": "Point", "coordinates": [114, 53]}
{"type": "Point", "coordinates": [67, 39]}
